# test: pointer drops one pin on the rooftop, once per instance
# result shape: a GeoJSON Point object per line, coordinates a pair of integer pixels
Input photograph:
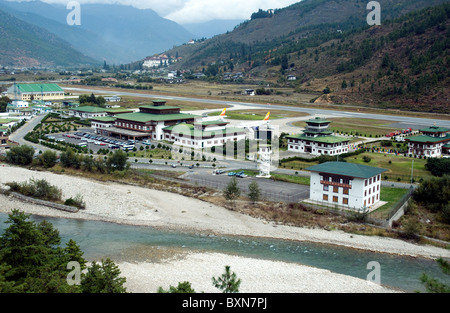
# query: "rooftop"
{"type": "Point", "coordinates": [425, 138]}
{"type": "Point", "coordinates": [318, 120]}
{"type": "Point", "coordinates": [159, 107]}
{"type": "Point", "coordinates": [435, 129]}
{"type": "Point", "coordinates": [347, 169]}
{"type": "Point", "coordinates": [90, 109]}
{"type": "Point", "coordinates": [321, 139]}
{"type": "Point", "coordinates": [189, 129]}
{"type": "Point", "coordinates": [37, 88]}
{"type": "Point", "coordinates": [104, 119]}
{"type": "Point", "coordinates": [147, 117]}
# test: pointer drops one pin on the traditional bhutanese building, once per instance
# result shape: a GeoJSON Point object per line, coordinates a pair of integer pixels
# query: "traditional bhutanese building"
{"type": "Point", "coordinates": [318, 139]}
{"type": "Point", "coordinates": [28, 92]}
{"type": "Point", "coordinates": [149, 122]}
{"type": "Point", "coordinates": [203, 134]}
{"type": "Point", "coordinates": [433, 142]}
{"type": "Point", "coordinates": [350, 185]}
{"type": "Point", "coordinates": [88, 112]}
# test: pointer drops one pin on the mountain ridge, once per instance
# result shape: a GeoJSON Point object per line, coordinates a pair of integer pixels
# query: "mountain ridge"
{"type": "Point", "coordinates": [124, 32]}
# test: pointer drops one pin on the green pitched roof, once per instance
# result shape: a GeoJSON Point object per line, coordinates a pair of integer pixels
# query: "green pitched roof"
{"type": "Point", "coordinates": [424, 138]}
{"type": "Point", "coordinates": [321, 139]}
{"type": "Point", "coordinates": [189, 129]}
{"type": "Point", "coordinates": [347, 169]}
{"type": "Point", "coordinates": [104, 119]}
{"type": "Point", "coordinates": [90, 109]}
{"type": "Point", "coordinates": [159, 107]}
{"type": "Point", "coordinates": [318, 120]}
{"type": "Point", "coordinates": [435, 129]}
{"type": "Point", "coordinates": [37, 88]}
{"type": "Point", "coordinates": [147, 117]}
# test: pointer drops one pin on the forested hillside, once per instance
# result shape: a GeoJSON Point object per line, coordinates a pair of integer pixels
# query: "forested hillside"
{"type": "Point", "coordinates": [403, 61]}
{"type": "Point", "coordinates": [23, 44]}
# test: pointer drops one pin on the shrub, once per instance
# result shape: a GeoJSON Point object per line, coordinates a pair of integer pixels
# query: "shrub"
{"type": "Point", "coordinates": [39, 189]}
{"type": "Point", "coordinates": [20, 155]}
{"type": "Point", "coordinates": [48, 158]}
{"type": "Point", "coordinates": [77, 201]}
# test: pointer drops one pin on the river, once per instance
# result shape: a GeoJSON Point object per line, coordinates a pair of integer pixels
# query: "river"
{"type": "Point", "coordinates": [128, 243]}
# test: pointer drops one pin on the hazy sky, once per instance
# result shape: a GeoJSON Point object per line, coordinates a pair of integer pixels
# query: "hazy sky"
{"type": "Point", "coordinates": [192, 11]}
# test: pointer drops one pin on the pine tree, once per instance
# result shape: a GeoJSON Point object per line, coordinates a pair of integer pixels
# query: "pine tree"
{"type": "Point", "coordinates": [254, 192]}
{"type": "Point", "coordinates": [232, 191]}
{"type": "Point", "coordinates": [228, 282]}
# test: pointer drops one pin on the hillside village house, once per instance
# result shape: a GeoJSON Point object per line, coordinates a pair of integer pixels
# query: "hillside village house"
{"type": "Point", "coordinates": [348, 185]}
{"type": "Point", "coordinates": [155, 61]}
{"type": "Point", "coordinates": [28, 92]}
{"type": "Point", "coordinates": [318, 139]}
{"type": "Point", "coordinates": [434, 142]}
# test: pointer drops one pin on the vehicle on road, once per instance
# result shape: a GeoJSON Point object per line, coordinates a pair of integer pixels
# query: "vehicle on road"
{"type": "Point", "coordinates": [218, 172]}
{"type": "Point", "coordinates": [191, 167]}
{"type": "Point", "coordinates": [127, 147]}
{"type": "Point", "coordinates": [174, 165]}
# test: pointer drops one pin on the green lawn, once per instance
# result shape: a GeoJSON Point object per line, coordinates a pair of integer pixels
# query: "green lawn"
{"type": "Point", "coordinates": [259, 114]}
{"type": "Point", "coordinates": [358, 126]}
{"type": "Point", "coordinates": [400, 166]}
{"type": "Point", "coordinates": [302, 180]}
{"type": "Point", "coordinates": [391, 196]}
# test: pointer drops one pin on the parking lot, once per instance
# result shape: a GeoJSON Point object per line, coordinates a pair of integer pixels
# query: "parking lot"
{"type": "Point", "coordinates": [94, 142]}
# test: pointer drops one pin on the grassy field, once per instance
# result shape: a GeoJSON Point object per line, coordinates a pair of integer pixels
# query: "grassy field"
{"type": "Point", "coordinates": [302, 180]}
{"type": "Point", "coordinates": [397, 166]}
{"type": "Point", "coordinates": [360, 127]}
{"type": "Point", "coordinates": [392, 196]}
{"type": "Point", "coordinates": [259, 114]}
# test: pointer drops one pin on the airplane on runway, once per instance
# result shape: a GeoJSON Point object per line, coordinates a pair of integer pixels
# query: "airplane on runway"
{"type": "Point", "coordinates": [248, 124]}
{"type": "Point", "coordinates": [222, 116]}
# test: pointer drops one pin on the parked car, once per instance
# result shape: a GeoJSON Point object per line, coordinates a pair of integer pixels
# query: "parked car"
{"type": "Point", "coordinates": [241, 175]}
{"type": "Point", "coordinates": [146, 142]}
{"type": "Point", "coordinates": [231, 174]}
{"type": "Point", "coordinates": [218, 172]}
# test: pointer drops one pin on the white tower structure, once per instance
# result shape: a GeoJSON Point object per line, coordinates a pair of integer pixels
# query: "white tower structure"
{"type": "Point", "coordinates": [264, 160]}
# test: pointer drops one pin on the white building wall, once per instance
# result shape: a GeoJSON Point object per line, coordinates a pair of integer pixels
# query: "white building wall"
{"type": "Point", "coordinates": [357, 194]}
{"type": "Point", "coordinates": [317, 148]}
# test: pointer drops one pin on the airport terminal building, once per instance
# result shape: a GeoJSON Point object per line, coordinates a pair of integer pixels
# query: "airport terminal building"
{"type": "Point", "coordinates": [434, 142]}
{"type": "Point", "coordinates": [317, 139]}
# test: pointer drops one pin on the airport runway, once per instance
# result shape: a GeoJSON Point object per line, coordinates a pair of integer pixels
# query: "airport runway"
{"type": "Point", "coordinates": [413, 122]}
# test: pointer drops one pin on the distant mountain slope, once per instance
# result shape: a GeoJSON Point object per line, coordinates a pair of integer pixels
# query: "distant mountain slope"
{"type": "Point", "coordinates": [82, 40]}
{"type": "Point", "coordinates": [401, 64]}
{"type": "Point", "coordinates": [23, 44]}
{"type": "Point", "coordinates": [310, 20]}
{"type": "Point", "coordinates": [126, 33]}
{"type": "Point", "coordinates": [211, 28]}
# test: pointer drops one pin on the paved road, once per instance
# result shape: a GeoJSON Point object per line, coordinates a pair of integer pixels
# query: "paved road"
{"type": "Point", "coordinates": [414, 122]}
{"type": "Point", "coordinates": [270, 189]}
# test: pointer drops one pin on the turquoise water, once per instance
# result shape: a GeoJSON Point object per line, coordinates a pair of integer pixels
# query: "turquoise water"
{"type": "Point", "coordinates": [100, 240]}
